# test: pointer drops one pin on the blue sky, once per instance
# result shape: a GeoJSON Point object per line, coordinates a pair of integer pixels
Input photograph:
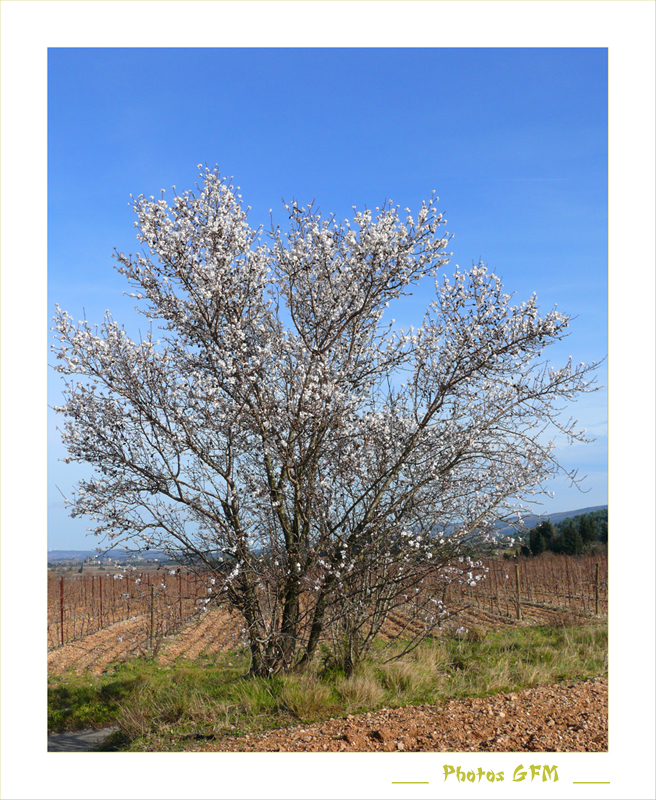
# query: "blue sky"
{"type": "Point", "coordinates": [514, 141]}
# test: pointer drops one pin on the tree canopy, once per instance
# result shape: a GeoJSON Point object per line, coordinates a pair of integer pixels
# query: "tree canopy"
{"type": "Point", "coordinates": [572, 536]}
{"type": "Point", "coordinates": [275, 427]}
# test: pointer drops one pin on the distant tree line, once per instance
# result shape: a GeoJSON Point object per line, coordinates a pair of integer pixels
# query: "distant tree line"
{"type": "Point", "coordinates": [573, 536]}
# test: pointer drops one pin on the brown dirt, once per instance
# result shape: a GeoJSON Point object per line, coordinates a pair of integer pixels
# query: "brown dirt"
{"type": "Point", "coordinates": [93, 653]}
{"type": "Point", "coordinates": [215, 632]}
{"type": "Point", "coordinates": [556, 718]}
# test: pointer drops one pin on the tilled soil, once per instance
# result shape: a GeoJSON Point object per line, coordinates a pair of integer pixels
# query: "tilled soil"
{"type": "Point", "coordinates": [218, 630]}
{"type": "Point", "coordinates": [93, 653]}
{"type": "Point", "coordinates": [215, 632]}
{"type": "Point", "coordinates": [556, 718]}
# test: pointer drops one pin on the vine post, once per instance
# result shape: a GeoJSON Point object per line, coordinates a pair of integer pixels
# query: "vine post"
{"type": "Point", "coordinates": [61, 606]}
{"type": "Point", "coordinates": [519, 600]}
{"type": "Point", "coordinates": [152, 614]}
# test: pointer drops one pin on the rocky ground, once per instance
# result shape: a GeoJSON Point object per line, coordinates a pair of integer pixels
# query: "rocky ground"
{"type": "Point", "coordinates": [556, 718]}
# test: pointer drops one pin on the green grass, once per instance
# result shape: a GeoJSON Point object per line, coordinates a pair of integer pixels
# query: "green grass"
{"type": "Point", "coordinates": [164, 708]}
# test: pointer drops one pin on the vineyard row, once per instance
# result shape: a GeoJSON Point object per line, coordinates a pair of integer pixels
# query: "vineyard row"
{"type": "Point", "coordinates": [84, 604]}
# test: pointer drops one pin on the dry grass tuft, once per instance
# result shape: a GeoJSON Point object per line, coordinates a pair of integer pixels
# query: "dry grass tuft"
{"type": "Point", "coordinates": [359, 691]}
{"type": "Point", "coordinates": [401, 678]}
{"type": "Point", "coordinates": [305, 696]}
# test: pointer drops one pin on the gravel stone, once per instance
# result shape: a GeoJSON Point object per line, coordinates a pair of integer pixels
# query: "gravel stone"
{"type": "Point", "coordinates": [569, 717]}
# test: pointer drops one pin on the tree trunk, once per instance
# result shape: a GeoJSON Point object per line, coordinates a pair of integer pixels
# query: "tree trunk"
{"type": "Point", "coordinates": [289, 625]}
{"type": "Point", "coordinates": [317, 621]}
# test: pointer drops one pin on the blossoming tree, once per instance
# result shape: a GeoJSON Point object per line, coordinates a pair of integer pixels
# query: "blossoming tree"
{"type": "Point", "coordinates": [280, 432]}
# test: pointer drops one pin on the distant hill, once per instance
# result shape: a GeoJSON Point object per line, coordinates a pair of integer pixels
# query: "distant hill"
{"type": "Point", "coordinates": [531, 520]}
{"type": "Point", "coordinates": [502, 529]}
{"type": "Point", "coordinates": [111, 555]}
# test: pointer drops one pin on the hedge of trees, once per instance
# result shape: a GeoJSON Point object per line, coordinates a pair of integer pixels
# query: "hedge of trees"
{"type": "Point", "coordinates": [573, 536]}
